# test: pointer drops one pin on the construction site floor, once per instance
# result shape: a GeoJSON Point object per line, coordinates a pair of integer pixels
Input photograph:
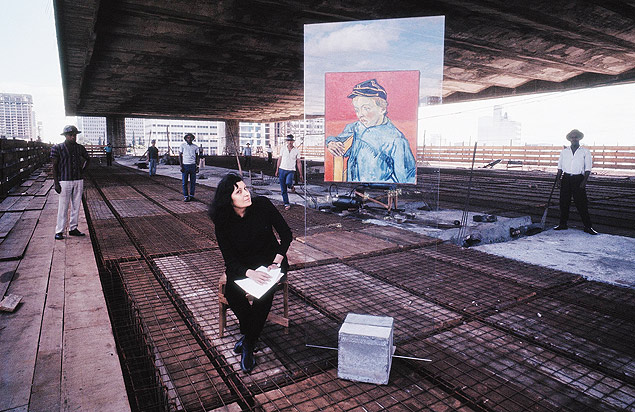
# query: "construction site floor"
{"type": "Point", "coordinates": [57, 350]}
{"type": "Point", "coordinates": [501, 334]}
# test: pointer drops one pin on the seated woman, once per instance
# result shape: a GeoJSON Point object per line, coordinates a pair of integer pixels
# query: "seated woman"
{"type": "Point", "coordinates": [244, 231]}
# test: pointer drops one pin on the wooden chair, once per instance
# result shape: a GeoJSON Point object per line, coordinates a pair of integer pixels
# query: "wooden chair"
{"type": "Point", "coordinates": [282, 320]}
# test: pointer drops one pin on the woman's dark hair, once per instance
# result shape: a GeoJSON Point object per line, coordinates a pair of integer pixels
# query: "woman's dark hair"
{"type": "Point", "coordinates": [222, 202]}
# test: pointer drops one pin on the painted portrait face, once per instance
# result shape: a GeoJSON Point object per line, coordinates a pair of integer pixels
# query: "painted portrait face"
{"type": "Point", "coordinates": [241, 198]}
{"type": "Point", "coordinates": [367, 111]}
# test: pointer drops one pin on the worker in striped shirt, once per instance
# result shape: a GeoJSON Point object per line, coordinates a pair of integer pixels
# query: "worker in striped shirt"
{"type": "Point", "coordinates": [69, 161]}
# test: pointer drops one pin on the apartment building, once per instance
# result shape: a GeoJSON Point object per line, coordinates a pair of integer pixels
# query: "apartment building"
{"type": "Point", "coordinates": [17, 118]}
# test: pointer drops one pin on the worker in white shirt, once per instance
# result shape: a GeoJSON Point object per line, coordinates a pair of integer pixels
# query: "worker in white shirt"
{"type": "Point", "coordinates": [574, 167]}
{"type": "Point", "coordinates": [188, 159]}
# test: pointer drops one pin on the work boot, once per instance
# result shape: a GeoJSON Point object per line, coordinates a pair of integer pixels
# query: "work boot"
{"type": "Point", "coordinates": [590, 231]}
{"type": "Point", "coordinates": [76, 232]}
{"type": "Point", "coordinates": [59, 236]}
{"type": "Point", "coordinates": [247, 360]}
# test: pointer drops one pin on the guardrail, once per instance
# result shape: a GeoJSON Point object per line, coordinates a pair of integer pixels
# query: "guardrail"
{"type": "Point", "coordinates": [604, 157]}
{"type": "Point", "coordinates": [18, 159]}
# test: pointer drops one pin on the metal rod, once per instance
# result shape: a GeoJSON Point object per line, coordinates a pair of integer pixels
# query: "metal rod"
{"type": "Point", "coordinates": [394, 356]}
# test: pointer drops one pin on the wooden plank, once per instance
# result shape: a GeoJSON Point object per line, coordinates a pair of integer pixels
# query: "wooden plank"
{"type": "Point", "coordinates": [7, 271]}
{"type": "Point", "coordinates": [47, 378]}
{"type": "Point", "coordinates": [300, 253]}
{"type": "Point", "coordinates": [88, 338]}
{"type": "Point", "coordinates": [9, 303]}
{"type": "Point", "coordinates": [14, 245]}
{"type": "Point", "coordinates": [21, 205]}
{"type": "Point", "coordinates": [8, 202]}
{"type": "Point", "coordinates": [46, 186]}
{"type": "Point", "coordinates": [37, 203]}
{"type": "Point", "coordinates": [344, 244]}
{"type": "Point", "coordinates": [21, 329]}
{"type": "Point", "coordinates": [35, 187]}
{"type": "Point", "coordinates": [8, 221]}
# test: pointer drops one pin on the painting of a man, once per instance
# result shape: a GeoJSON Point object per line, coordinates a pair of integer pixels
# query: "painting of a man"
{"type": "Point", "coordinates": [374, 148]}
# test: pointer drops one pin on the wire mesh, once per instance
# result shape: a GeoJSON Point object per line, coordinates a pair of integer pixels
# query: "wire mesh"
{"type": "Point", "coordinates": [498, 266]}
{"type": "Point", "coordinates": [502, 372]}
{"type": "Point", "coordinates": [338, 289]}
{"type": "Point", "coordinates": [196, 384]}
{"type": "Point", "coordinates": [475, 315]}
{"type": "Point", "coordinates": [160, 235]}
{"type": "Point", "coordinates": [448, 285]}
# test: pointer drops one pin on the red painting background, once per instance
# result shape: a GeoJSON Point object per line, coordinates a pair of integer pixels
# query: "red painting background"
{"type": "Point", "coordinates": [402, 90]}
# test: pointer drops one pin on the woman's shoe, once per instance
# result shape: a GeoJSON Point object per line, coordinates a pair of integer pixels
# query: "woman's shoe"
{"type": "Point", "coordinates": [238, 347]}
{"type": "Point", "coordinates": [247, 361]}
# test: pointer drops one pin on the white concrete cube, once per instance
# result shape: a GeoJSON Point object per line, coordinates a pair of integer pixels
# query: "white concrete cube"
{"type": "Point", "coordinates": [365, 348]}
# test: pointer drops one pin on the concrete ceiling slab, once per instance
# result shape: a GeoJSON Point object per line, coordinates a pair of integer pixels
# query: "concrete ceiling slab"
{"type": "Point", "coordinates": [243, 60]}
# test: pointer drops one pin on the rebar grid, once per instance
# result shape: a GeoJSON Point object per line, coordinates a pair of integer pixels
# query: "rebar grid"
{"type": "Point", "coordinates": [160, 235]}
{"type": "Point", "coordinates": [401, 237]}
{"type": "Point", "coordinates": [594, 338]}
{"type": "Point", "coordinates": [503, 372]}
{"type": "Point", "coordinates": [302, 219]}
{"type": "Point", "coordinates": [113, 241]}
{"type": "Point", "coordinates": [498, 266]}
{"type": "Point", "coordinates": [338, 289]}
{"type": "Point", "coordinates": [201, 222]}
{"type": "Point", "coordinates": [119, 192]}
{"type": "Point", "coordinates": [484, 365]}
{"type": "Point", "coordinates": [609, 299]}
{"type": "Point", "coordinates": [136, 208]}
{"type": "Point", "coordinates": [146, 389]}
{"type": "Point", "coordinates": [99, 210]}
{"type": "Point", "coordinates": [344, 244]}
{"type": "Point", "coordinates": [170, 200]}
{"type": "Point", "coordinates": [324, 391]}
{"type": "Point", "coordinates": [448, 285]}
{"type": "Point", "coordinates": [196, 382]}
{"type": "Point", "coordinates": [194, 280]}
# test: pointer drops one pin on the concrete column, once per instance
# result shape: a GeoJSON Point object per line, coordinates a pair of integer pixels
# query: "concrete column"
{"type": "Point", "coordinates": [232, 136]}
{"type": "Point", "coordinates": [116, 134]}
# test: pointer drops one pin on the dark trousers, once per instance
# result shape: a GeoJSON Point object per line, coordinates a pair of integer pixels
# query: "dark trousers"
{"type": "Point", "coordinates": [269, 157]}
{"type": "Point", "coordinates": [251, 316]}
{"type": "Point", "coordinates": [247, 161]}
{"type": "Point", "coordinates": [109, 159]}
{"type": "Point", "coordinates": [570, 186]}
{"type": "Point", "coordinates": [189, 173]}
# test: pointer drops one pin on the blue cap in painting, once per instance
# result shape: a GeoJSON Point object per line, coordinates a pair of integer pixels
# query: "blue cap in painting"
{"type": "Point", "coordinates": [368, 88]}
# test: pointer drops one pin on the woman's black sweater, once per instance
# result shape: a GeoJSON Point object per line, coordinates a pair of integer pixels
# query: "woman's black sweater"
{"type": "Point", "coordinates": [249, 242]}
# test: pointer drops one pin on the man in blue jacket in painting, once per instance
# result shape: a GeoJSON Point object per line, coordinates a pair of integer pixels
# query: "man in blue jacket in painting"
{"type": "Point", "coordinates": [379, 151]}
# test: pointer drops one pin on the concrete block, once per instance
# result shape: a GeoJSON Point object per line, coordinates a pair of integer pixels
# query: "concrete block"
{"type": "Point", "coordinates": [365, 348]}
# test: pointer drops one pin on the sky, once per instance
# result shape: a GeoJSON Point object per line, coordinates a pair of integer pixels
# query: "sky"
{"type": "Point", "coordinates": [605, 114]}
{"type": "Point", "coordinates": [27, 30]}
{"type": "Point", "coordinates": [414, 43]}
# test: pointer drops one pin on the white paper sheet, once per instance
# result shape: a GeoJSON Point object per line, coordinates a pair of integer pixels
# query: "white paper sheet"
{"type": "Point", "coordinates": [257, 290]}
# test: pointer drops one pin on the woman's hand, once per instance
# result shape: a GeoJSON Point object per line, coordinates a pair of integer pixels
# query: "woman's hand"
{"type": "Point", "coordinates": [259, 277]}
{"type": "Point", "coordinates": [276, 262]}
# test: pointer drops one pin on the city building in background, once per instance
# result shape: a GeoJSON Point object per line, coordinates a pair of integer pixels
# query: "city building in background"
{"type": "Point", "coordinates": [135, 132]}
{"type": "Point", "coordinates": [17, 118]}
{"type": "Point", "coordinates": [139, 132]}
{"type": "Point", "coordinates": [210, 136]}
{"type": "Point", "coordinates": [310, 132]}
{"type": "Point", "coordinates": [498, 130]}
{"type": "Point", "coordinates": [258, 135]}
{"type": "Point", "coordinates": [93, 130]}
